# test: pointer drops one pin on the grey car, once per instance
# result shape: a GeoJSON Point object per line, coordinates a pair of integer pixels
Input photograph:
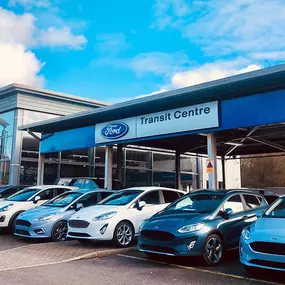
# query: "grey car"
{"type": "Point", "coordinates": [50, 219]}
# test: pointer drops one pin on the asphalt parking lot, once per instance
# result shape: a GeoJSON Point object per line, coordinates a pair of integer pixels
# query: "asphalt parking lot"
{"type": "Point", "coordinates": [124, 268]}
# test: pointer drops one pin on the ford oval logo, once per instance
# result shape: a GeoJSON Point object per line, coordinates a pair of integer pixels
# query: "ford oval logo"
{"type": "Point", "coordinates": [115, 131]}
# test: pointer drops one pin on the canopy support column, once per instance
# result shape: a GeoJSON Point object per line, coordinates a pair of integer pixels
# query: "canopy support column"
{"type": "Point", "coordinates": [177, 170]}
{"type": "Point", "coordinates": [108, 167]}
{"type": "Point", "coordinates": [120, 162]}
{"type": "Point", "coordinates": [212, 158]}
{"type": "Point", "coordinates": [41, 169]}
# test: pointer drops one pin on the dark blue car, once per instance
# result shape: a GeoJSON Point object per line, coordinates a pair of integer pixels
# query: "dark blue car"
{"type": "Point", "coordinates": [204, 223]}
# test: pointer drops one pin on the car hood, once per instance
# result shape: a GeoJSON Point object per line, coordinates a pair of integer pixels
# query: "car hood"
{"type": "Point", "coordinates": [174, 220]}
{"type": "Point", "coordinates": [269, 227]}
{"type": "Point", "coordinates": [89, 213]}
{"type": "Point", "coordinates": [40, 211]}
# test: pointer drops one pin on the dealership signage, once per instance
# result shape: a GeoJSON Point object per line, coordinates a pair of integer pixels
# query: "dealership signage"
{"type": "Point", "coordinates": [172, 121]}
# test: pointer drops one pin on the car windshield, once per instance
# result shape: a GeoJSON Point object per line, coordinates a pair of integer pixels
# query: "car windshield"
{"type": "Point", "coordinates": [277, 210]}
{"type": "Point", "coordinates": [63, 200]}
{"type": "Point", "coordinates": [121, 198]}
{"type": "Point", "coordinates": [201, 203]}
{"type": "Point", "coordinates": [24, 195]}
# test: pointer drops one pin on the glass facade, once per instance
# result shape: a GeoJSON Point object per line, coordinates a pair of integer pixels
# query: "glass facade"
{"type": "Point", "coordinates": [6, 143]}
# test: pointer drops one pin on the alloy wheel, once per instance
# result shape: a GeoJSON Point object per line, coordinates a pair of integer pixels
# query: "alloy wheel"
{"type": "Point", "coordinates": [213, 250]}
{"type": "Point", "coordinates": [124, 234]}
{"type": "Point", "coordinates": [60, 231]}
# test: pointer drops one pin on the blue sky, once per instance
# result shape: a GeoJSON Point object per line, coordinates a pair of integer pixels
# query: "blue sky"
{"type": "Point", "coordinates": [118, 50]}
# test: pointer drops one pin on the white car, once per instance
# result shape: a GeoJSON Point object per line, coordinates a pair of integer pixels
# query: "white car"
{"type": "Point", "coordinates": [119, 216]}
{"type": "Point", "coordinates": [26, 199]}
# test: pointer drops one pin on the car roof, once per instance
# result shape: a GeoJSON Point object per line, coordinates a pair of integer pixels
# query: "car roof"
{"type": "Point", "coordinates": [85, 191]}
{"type": "Point", "coordinates": [90, 178]}
{"type": "Point", "coordinates": [226, 191]}
{"type": "Point", "coordinates": [41, 187]}
{"type": "Point", "coordinates": [150, 188]}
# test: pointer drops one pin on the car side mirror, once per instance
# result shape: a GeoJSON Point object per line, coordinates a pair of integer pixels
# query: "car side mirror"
{"type": "Point", "coordinates": [37, 199]}
{"type": "Point", "coordinates": [140, 205]}
{"type": "Point", "coordinates": [78, 207]}
{"type": "Point", "coordinates": [259, 214]}
{"type": "Point", "coordinates": [227, 213]}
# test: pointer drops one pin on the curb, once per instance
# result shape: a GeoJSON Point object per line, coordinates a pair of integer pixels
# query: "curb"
{"type": "Point", "coordinates": [104, 253]}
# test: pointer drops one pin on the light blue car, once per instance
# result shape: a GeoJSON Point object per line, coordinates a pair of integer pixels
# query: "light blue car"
{"type": "Point", "coordinates": [262, 244]}
{"type": "Point", "coordinates": [50, 219]}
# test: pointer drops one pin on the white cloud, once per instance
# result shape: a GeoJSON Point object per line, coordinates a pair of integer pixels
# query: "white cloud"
{"type": "Point", "coordinates": [153, 93]}
{"type": "Point", "coordinates": [19, 66]}
{"type": "Point", "coordinates": [158, 62]}
{"type": "Point", "coordinates": [111, 43]}
{"type": "Point", "coordinates": [62, 37]}
{"type": "Point", "coordinates": [269, 55]}
{"type": "Point", "coordinates": [169, 13]}
{"type": "Point", "coordinates": [30, 3]}
{"type": "Point", "coordinates": [209, 72]}
{"type": "Point", "coordinates": [16, 29]}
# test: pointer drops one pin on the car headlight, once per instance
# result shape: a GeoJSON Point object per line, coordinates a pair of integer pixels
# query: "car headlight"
{"type": "Point", "coordinates": [6, 208]}
{"type": "Point", "coordinates": [105, 216]}
{"type": "Point", "coordinates": [191, 228]}
{"type": "Point", "coordinates": [246, 233]}
{"type": "Point", "coordinates": [142, 224]}
{"type": "Point", "coordinates": [44, 218]}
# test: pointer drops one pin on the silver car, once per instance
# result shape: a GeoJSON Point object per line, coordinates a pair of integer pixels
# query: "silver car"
{"type": "Point", "coordinates": [50, 219]}
{"type": "Point", "coordinates": [263, 243]}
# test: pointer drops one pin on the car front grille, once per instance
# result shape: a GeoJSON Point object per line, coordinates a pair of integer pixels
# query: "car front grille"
{"type": "Point", "coordinates": [158, 249]}
{"type": "Point", "coordinates": [23, 223]}
{"type": "Point", "coordinates": [157, 235]}
{"type": "Point", "coordinates": [268, 247]}
{"type": "Point", "coordinates": [78, 224]}
{"type": "Point", "coordinates": [22, 232]}
{"type": "Point", "coordinates": [270, 264]}
{"type": "Point", "coordinates": [78, 234]}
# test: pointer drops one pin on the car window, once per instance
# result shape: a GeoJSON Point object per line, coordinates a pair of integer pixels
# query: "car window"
{"type": "Point", "coordinates": [121, 198]}
{"type": "Point", "coordinates": [8, 192]}
{"type": "Point", "coordinates": [63, 200]}
{"type": "Point", "coordinates": [46, 194]}
{"type": "Point", "coordinates": [234, 203]}
{"type": "Point", "coordinates": [89, 200]}
{"type": "Point", "coordinates": [104, 194]}
{"type": "Point", "coordinates": [23, 195]}
{"type": "Point", "coordinates": [90, 184]}
{"type": "Point", "coordinates": [151, 198]}
{"type": "Point", "coordinates": [60, 191]}
{"type": "Point", "coordinates": [251, 201]}
{"type": "Point", "coordinates": [170, 196]}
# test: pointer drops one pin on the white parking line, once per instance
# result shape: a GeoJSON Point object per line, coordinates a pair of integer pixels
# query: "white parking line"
{"type": "Point", "coordinates": [201, 270]}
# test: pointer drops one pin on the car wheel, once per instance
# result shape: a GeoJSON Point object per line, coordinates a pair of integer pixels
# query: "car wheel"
{"type": "Point", "coordinates": [123, 234]}
{"type": "Point", "coordinates": [12, 224]}
{"type": "Point", "coordinates": [213, 250]}
{"type": "Point", "coordinates": [59, 231]}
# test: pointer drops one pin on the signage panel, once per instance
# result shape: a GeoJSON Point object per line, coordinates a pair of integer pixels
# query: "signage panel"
{"type": "Point", "coordinates": [184, 119]}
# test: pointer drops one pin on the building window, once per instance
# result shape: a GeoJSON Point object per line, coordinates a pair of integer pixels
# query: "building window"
{"type": "Point", "coordinates": [6, 138]}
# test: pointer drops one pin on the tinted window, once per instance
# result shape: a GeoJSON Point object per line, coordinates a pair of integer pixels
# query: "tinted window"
{"type": "Point", "coordinates": [105, 195]}
{"type": "Point", "coordinates": [277, 210]}
{"type": "Point", "coordinates": [90, 184]}
{"type": "Point", "coordinates": [23, 195]}
{"type": "Point", "coordinates": [170, 196]}
{"type": "Point", "coordinates": [8, 192]}
{"type": "Point", "coordinates": [63, 200]}
{"type": "Point", "coordinates": [89, 200]}
{"type": "Point", "coordinates": [251, 201]}
{"type": "Point", "coordinates": [234, 203]}
{"type": "Point", "coordinates": [60, 191]}
{"type": "Point", "coordinates": [151, 198]}
{"type": "Point", "coordinates": [201, 203]}
{"type": "Point", "coordinates": [121, 198]}
{"type": "Point", "coordinates": [46, 194]}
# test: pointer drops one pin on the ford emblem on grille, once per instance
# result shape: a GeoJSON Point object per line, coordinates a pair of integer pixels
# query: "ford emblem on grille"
{"type": "Point", "coordinates": [156, 227]}
{"type": "Point", "coordinates": [115, 131]}
{"type": "Point", "coordinates": [274, 238]}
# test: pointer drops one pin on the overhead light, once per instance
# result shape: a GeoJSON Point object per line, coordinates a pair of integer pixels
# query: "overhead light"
{"type": "Point", "coordinates": [234, 143]}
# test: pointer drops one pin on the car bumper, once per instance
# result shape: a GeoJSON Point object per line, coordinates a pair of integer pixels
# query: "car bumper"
{"type": "Point", "coordinates": [95, 231]}
{"type": "Point", "coordinates": [36, 230]}
{"type": "Point", "coordinates": [251, 258]}
{"type": "Point", "coordinates": [183, 245]}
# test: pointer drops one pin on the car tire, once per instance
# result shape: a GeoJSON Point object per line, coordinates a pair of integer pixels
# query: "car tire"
{"type": "Point", "coordinates": [213, 250]}
{"type": "Point", "coordinates": [123, 234]}
{"type": "Point", "coordinates": [59, 231]}
{"type": "Point", "coordinates": [12, 224]}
